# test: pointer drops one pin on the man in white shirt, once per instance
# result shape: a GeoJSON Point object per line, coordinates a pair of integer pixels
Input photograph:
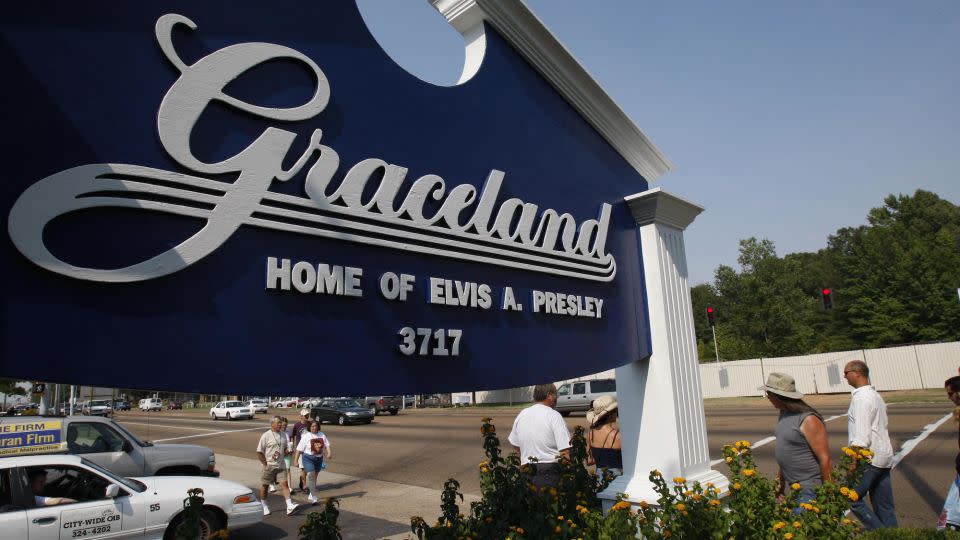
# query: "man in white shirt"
{"type": "Point", "coordinates": [540, 432]}
{"type": "Point", "coordinates": [867, 428]}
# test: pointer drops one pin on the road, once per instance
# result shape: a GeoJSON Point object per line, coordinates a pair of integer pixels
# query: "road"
{"type": "Point", "coordinates": [422, 449]}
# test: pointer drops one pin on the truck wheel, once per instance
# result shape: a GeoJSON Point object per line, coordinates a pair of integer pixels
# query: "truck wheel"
{"type": "Point", "coordinates": [373, 409]}
{"type": "Point", "coordinates": [393, 412]}
{"type": "Point", "coordinates": [228, 416]}
{"type": "Point", "coordinates": [341, 419]}
{"type": "Point", "coordinates": [213, 416]}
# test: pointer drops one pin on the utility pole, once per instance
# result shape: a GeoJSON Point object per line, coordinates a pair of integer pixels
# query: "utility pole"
{"type": "Point", "coordinates": [716, 350]}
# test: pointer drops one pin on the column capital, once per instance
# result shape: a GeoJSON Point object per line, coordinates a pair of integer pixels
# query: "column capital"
{"type": "Point", "coordinates": [657, 206]}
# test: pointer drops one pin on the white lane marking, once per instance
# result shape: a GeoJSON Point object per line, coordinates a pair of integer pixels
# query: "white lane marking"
{"type": "Point", "coordinates": [908, 446]}
{"type": "Point", "coordinates": [166, 426]}
{"type": "Point", "coordinates": [208, 434]}
{"type": "Point", "coordinates": [770, 439]}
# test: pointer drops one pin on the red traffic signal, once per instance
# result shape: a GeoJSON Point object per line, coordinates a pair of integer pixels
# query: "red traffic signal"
{"type": "Point", "coordinates": [827, 296]}
{"type": "Point", "coordinates": [711, 316]}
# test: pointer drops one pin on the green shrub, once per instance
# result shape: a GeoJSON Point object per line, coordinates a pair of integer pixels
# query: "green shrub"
{"type": "Point", "coordinates": [322, 525]}
{"type": "Point", "coordinates": [511, 507]}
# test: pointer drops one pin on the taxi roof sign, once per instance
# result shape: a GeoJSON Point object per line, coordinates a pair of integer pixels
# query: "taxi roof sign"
{"type": "Point", "coordinates": [31, 437]}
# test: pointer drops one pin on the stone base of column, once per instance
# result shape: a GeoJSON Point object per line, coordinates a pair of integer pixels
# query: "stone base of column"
{"type": "Point", "coordinates": [639, 488]}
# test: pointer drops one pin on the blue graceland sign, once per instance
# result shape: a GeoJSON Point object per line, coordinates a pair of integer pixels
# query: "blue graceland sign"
{"type": "Point", "coordinates": [253, 198]}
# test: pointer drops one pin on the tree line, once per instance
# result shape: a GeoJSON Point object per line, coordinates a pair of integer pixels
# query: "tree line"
{"type": "Point", "coordinates": [893, 281]}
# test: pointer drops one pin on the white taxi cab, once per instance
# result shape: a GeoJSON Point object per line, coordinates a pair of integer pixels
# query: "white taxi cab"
{"type": "Point", "coordinates": [45, 496]}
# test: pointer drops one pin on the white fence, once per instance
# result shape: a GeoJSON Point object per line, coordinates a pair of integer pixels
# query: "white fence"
{"type": "Point", "coordinates": [897, 368]}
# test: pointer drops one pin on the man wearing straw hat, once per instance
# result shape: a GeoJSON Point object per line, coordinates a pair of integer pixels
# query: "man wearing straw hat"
{"type": "Point", "coordinates": [540, 432]}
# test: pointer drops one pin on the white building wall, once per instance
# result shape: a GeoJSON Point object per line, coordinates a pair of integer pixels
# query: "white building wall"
{"type": "Point", "coordinates": [731, 379]}
{"type": "Point", "coordinates": [938, 362]}
{"type": "Point", "coordinates": [895, 368]}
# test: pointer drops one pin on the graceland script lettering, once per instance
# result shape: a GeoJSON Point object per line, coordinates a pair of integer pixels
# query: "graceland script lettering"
{"type": "Point", "coordinates": [469, 224]}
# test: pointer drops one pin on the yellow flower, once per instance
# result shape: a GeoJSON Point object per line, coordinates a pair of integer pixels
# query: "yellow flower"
{"type": "Point", "coordinates": [729, 459]}
{"type": "Point", "coordinates": [849, 452]}
{"type": "Point", "coordinates": [622, 505]}
{"type": "Point", "coordinates": [797, 524]}
{"type": "Point", "coordinates": [746, 444]}
{"type": "Point", "coordinates": [679, 480]}
{"type": "Point", "coordinates": [681, 507]}
{"type": "Point", "coordinates": [553, 492]}
{"type": "Point", "coordinates": [644, 504]}
{"type": "Point", "coordinates": [714, 502]}
{"type": "Point", "coordinates": [865, 452]}
{"type": "Point", "coordinates": [697, 497]}
{"type": "Point", "coordinates": [749, 472]}
{"type": "Point", "coordinates": [815, 509]}
{"type": "Point", "coordinates": [795, 485]}
{"type": "Point", "coordinates": [844, 490]}
{"type": "Point", "coordinates": [779, 525]}
{"type": "Point", "coordinates": [582, 509]}
{"type": "Point", "coordinates": [559, 518]}
{"type": "Point", "coordinates": [846, 521]}
{"type": "Point", "coordinates": [853, 496]}
{"type": "Point", "coordinates": [788, 536]}
{"type": "Point", "coordinates": [736, 485]}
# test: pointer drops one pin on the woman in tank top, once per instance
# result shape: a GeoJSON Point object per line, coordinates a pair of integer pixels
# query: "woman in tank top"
{"type": "Point", "coordinates": [801, 447]}
{"type": "Point", "coordinates": [603, 438]}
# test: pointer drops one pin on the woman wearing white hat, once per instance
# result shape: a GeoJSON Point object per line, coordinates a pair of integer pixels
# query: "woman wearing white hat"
{"type": "Point", "coordinates": [801, 449]}
{"type": "Point", "coordinates": [603, 439]}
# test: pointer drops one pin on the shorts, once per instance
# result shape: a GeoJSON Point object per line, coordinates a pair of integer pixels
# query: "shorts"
{"type": "Point", "coordinates": [312, 463]}
{"type": "Point", "coordinates": [271, 473]}
{"type": "Point", "coordinates": [950, 515]}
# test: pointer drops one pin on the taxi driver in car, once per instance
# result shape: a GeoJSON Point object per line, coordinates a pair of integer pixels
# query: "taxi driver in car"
{"type": "Point", "coordinates": [38, 480]}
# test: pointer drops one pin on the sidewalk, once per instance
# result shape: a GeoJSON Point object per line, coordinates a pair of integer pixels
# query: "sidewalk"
{"type": "Point", "coordinates": [368, 508]}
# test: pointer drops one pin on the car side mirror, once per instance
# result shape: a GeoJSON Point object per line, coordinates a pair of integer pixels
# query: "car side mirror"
{"type": "Point", "coordinates": [112, 491]}
{"type": "Point", "coordinates": [127, 447]}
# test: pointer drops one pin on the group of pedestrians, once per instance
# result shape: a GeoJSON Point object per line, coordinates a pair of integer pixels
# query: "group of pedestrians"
{"type": "Point", "coordinates": [281, 447]}
{"type": "Point", "coordinates": [540, 432]}
{"type": "Point", "coordinates": [802, 451]}
{"type": "Point", "coordinates": [803, 454]}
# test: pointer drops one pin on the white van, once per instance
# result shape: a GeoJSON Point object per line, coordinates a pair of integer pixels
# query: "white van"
{"type": "Point", "coordinates": [579, 395]}
{"type": "Point", "coordinates": [151, 404]}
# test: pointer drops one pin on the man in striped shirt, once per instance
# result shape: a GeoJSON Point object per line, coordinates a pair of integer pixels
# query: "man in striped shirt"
{"type": "Point", "coordinates": [867, 428]}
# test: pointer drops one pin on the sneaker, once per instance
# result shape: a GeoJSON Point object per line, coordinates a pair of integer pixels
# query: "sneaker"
{"type": "Point", "coordinates": [266, 510]}
{"type": "Point", "coordinates": [273, 488]}
{"type": "Point", "coordinates": [291, 508]}
{"type": "Point", "coordinates": [312, 498]}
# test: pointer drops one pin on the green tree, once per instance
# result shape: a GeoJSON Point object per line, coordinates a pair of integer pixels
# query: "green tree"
{"type": "Point", "coordinates": [901, 272]}
{"type": "Point", "coordinates": [9, 388]}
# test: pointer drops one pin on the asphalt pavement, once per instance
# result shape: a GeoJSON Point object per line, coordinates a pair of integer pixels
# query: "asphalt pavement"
{"type": "Point", "coordinates": [394, 468]}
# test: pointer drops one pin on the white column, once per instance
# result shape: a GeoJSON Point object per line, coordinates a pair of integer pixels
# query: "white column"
{"type": "Point", "coordinates": [662, 421]}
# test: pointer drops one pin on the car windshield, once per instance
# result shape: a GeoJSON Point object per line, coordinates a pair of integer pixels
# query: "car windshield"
{"type": "Point", "coordinates": [345, 404]}
{"type": "Point", "coordinates": [233, 404]}
{"type": "Point", "coordinates": [134, 485]}
{"type": "Point", "coordinates": [99, 403]}
{"type": "Point", "coordinates": [129, 435]}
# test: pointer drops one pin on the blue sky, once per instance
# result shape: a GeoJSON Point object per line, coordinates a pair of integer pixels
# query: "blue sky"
{"type": "Point", "coordinates": [785, 120]}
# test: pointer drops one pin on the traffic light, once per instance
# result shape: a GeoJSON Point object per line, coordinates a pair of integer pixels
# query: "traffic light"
{"type": "Point", "coordinates": [827, 296]}
{"type": "Point", "coordinates": [711, 316]}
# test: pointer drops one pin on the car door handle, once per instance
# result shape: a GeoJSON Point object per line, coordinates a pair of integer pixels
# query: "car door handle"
{"type": "Point", "coordinates": [44, 521]}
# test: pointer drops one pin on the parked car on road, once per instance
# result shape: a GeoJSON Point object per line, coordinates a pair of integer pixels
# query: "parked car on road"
{"type": "Point", "coordinates": [106, 504]}
{"type": "Point", "coordinates": [98, 407]}
{"type": "Point", "coordinates": [342, 411]}
{"type": "Point", "coordinates": [258, 405]}
{"type": "Point", "coordinates": [121, 405]}
{"type": "Point", "coordinates": [174, 405]}
{"type": "Point", "coordinates": [284, 403]}
{"type": "Point", "coordinates": [579, 395]}
{"type": "Point", "coordinates": [379, 404]}
{"type": "Point", "coordinates": [231, 410]}
{"type": "Point", "coordinates": [151, 404]}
